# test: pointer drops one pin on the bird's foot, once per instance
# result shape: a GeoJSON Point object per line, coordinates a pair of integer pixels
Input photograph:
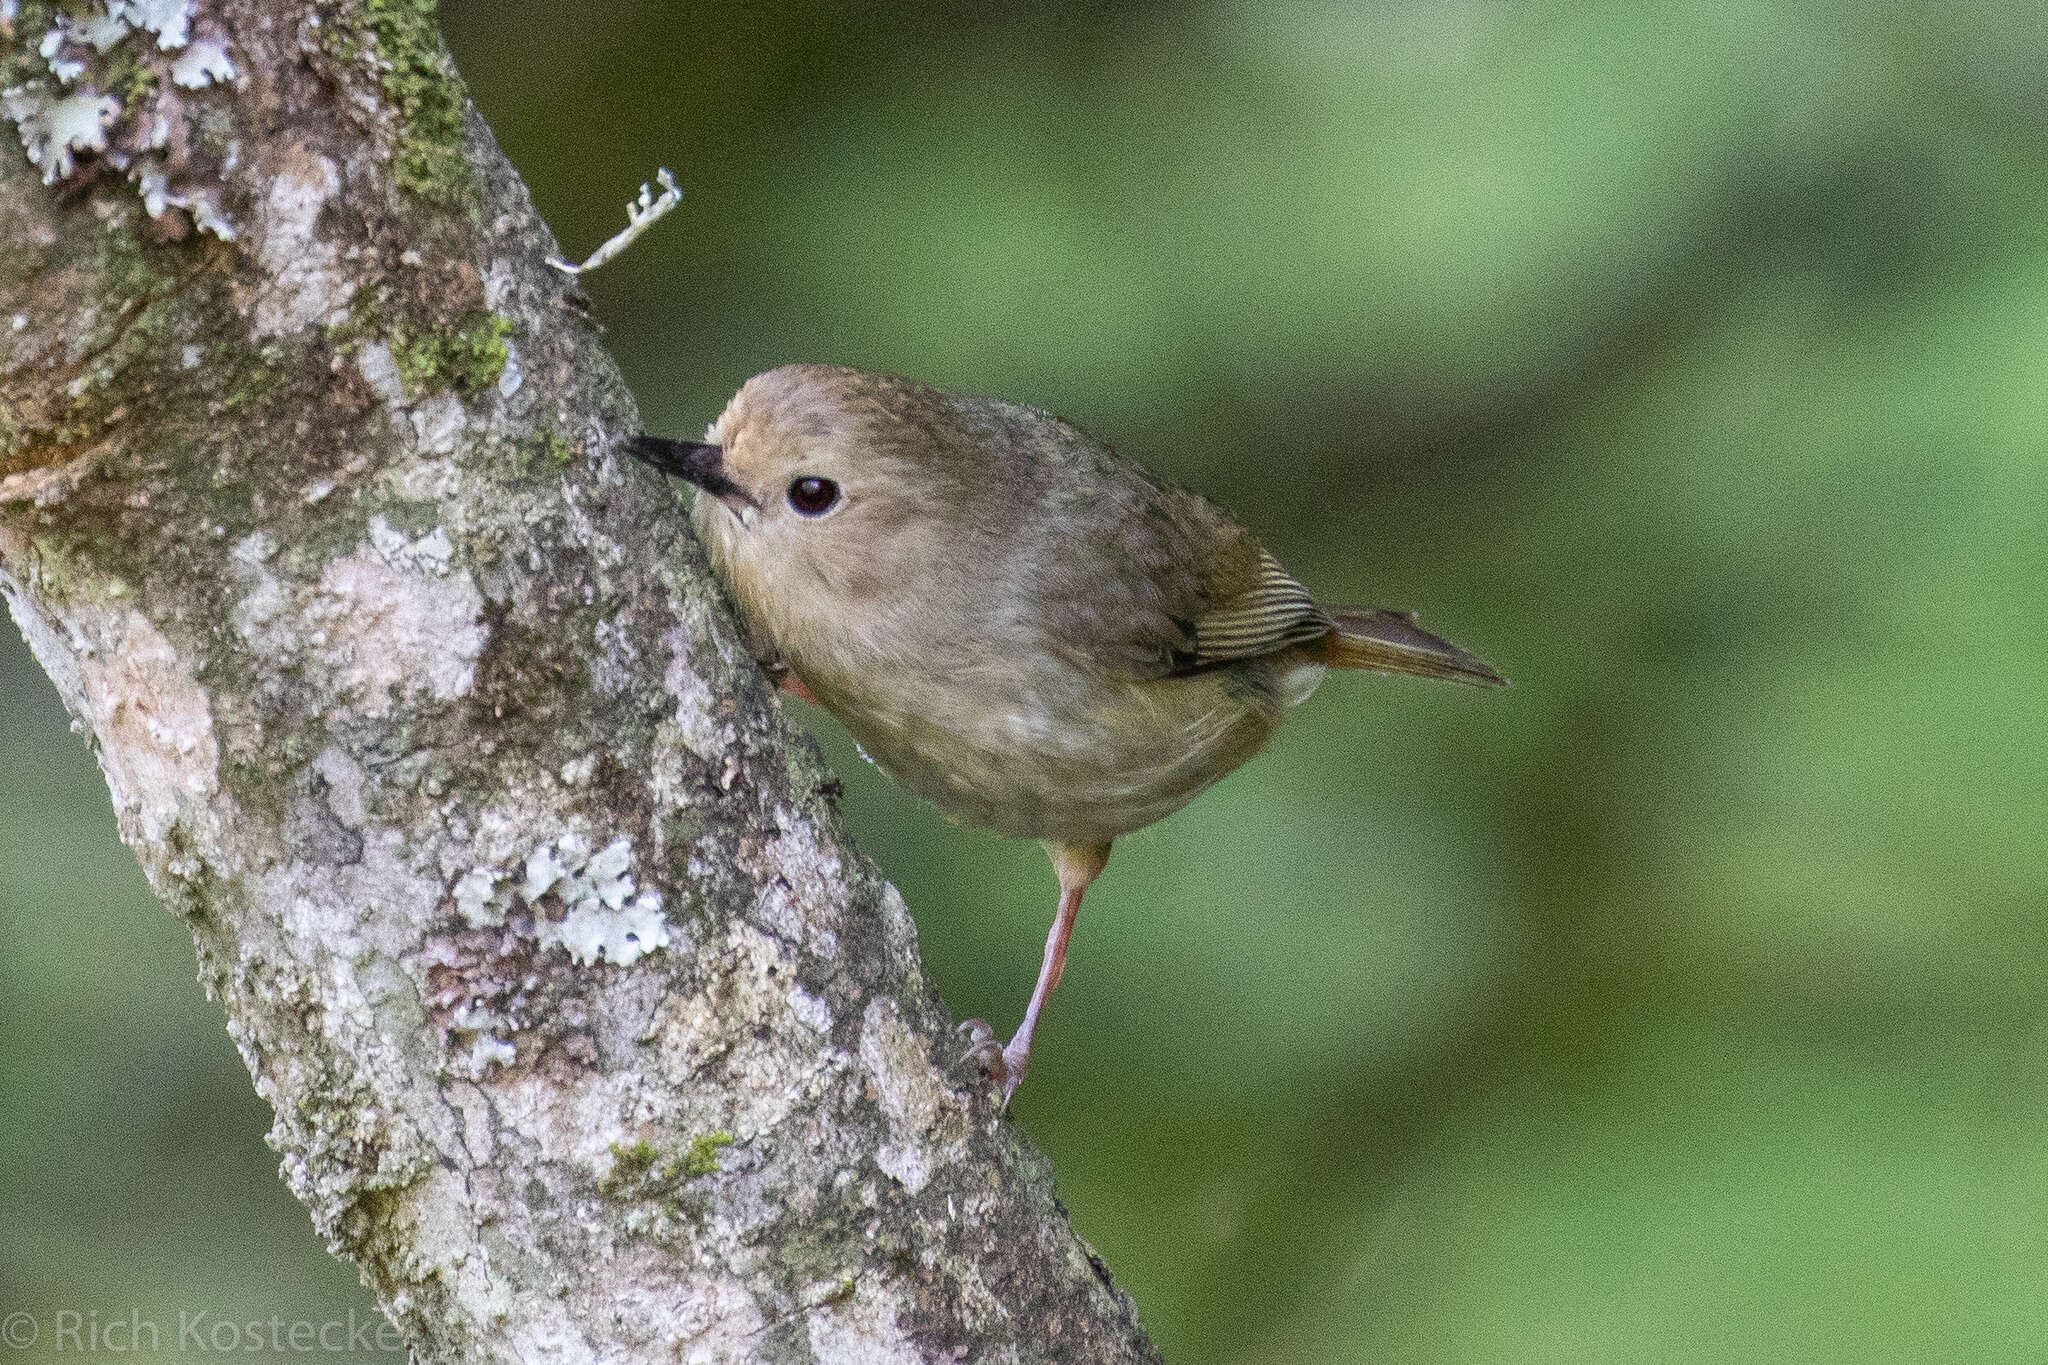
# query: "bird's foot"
{"type": "Point", "coordinates": [984, 1051]}
{"type": "Point", "coordinates": [1005, 1065]}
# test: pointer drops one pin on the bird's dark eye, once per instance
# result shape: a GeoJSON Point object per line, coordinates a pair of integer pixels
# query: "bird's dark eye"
{"type": "Point", "coordinates": [812, 496]}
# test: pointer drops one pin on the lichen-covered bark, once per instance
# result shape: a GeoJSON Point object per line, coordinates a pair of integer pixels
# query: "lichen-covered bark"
{"type": "Point", "coordinates": [588, 1036]}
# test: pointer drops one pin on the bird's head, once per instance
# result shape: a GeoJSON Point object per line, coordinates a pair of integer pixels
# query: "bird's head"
{"type": "Point", "coordinates": [824, 488]}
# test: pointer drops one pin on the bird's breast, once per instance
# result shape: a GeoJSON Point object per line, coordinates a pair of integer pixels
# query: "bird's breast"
{"type": "Point", "coordinates": [1069, 758]}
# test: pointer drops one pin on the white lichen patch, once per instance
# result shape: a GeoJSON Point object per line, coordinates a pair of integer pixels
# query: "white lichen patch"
{"type": "Point", "coordinates": [741, 1023]}
{"type": "Point", "coordinates": [805, 904]}
{"type": "Point", "coordinates": [513, 375]}
{"type": "Point", "coordinates": [170, 20]}
{"type": "Point", "coordinates": [717, 1322]}
{"type": "Point", "coordinates": [585, 903]}
{"type": "Point", "coordinates": [693, 728]}
{"type": "Point", "coordinates": [52, 52]}
{"type": "Point", "coordinates": [158, 196]}
{"type": "Point", "coordinates": [477, 899]}
{"type": "Point", "coordinates": [346, 782]}
{"type": "Point", "coordinates": [304, 289]}
{"type": "Point", "coordinates": [437, 1208]}
{"type": "Point", "coordinates": [862, 1328]}
{"type": "Point", "coordinates": [810, 1011]}
{"type": "Point", "coordinates": [201, 64]}
{"type": "Point", "coordinates": [53, 128]}
{"type": "Point", "coordinates": [623, 935]}
{"type": "Point", "coordinates": [255, 549]}
{"type": "Point", "coordinates": [438, 423]}
{"type": "Point", "coordinates": [605, 916]}
{"type": "Point", "coordinates": [545, 866]}
{"type": "Point", "coordinates": [102, 32]}
{"type": "Point", "coordinates": [487, 1052]}
{"type": "Point", "coordinates": [925, 1129]}
{"type": "Point", "coordinates": [354, 911]}
{"type": "Point", "coordinates": [74, 112]}
{"type": "Point", "coordinates": [259, 617]}
{"type": "Point", "coordinates": [430, 553]}
{"type": "Point", "coordinates": [379, 369]}
{"type": "Point", "coordinates": [387, 633]}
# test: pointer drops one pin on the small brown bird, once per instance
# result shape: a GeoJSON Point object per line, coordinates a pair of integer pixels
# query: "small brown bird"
{"type": "Point", "coordinates": [1012, 620]}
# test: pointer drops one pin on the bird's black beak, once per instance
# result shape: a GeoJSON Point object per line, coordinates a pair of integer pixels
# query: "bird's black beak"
{"type": "Point", "coordinates": [699, 463]}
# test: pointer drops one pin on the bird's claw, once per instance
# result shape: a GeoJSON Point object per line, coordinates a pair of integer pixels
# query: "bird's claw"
{"type": "Point", "coordinates": [982, 1048]}
{"type": "Point", "coordinates": [1003, 1065]}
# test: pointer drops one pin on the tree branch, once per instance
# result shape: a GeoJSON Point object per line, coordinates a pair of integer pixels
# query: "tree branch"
{"type": "Point", "coordinates": [588, 1035]}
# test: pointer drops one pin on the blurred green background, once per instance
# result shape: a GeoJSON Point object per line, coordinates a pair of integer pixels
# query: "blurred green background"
{"type": "Point", "coordinates": [1688, 1002]}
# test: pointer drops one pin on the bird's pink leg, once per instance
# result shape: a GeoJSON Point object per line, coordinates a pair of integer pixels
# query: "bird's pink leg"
{"type": "Point", "coordinates": [794, 685]}
{"type": "Point", "coordinates": [1077, 866]}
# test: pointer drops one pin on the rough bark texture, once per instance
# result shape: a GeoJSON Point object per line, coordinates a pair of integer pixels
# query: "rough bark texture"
{"type": "Point", "coordinates": [588, 1036]}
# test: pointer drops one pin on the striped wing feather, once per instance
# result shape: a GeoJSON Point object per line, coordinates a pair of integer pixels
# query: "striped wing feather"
{"type": "Point", "coordinates": [1272, 614]}
{"type": "Point", "coordinates": [1276, 612]}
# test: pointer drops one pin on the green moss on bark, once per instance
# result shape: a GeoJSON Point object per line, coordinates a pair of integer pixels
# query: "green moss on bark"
{"type": "Point", "coordinates": [702, 1158]}
{"type": "Point", "coordinates": [468, 357]}
{"type": "Point", "coordinates": [420, 82]}
{"type": "Point", "coordinates": [639, 1173]}
{"type": "Point", "coordinates": [546, 454]}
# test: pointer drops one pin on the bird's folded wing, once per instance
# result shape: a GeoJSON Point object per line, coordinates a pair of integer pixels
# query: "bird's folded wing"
{"type": "Point", "coordinates": [1271, 614]}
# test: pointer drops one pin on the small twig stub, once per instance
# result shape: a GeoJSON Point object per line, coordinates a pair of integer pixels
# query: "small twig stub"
{"type": "Point", "coordinates": [642, 213]}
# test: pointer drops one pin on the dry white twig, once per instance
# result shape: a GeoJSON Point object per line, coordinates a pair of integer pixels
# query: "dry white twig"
{"type": "Point", "coordinates": [641, 214]}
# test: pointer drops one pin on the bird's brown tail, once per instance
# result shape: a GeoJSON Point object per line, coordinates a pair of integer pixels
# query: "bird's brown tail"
{"type": "Point", "coordinates": [1391, 642]}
